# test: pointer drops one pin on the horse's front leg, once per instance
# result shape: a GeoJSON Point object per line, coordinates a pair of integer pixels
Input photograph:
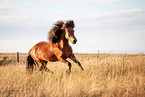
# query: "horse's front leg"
{"type": "Point", "coordinates": [58, 54]}
{"type": "Point", "coordinates": [66, 62]}
{"type": "Point", "coordinates": [73, 58]}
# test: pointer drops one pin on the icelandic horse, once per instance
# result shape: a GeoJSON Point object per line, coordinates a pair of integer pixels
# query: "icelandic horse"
{"type": "Point", "coordinates": [57, 49]}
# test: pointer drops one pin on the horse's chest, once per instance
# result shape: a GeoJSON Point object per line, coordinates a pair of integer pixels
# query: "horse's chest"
{"type": "Point", "coordinates": [66, 53]}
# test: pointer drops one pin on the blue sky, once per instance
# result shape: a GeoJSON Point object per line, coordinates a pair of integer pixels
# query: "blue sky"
{"type": "Point", "coordinates": [105, 25]}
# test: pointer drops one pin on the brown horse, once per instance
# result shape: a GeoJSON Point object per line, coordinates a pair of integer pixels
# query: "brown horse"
{"type": "Point", "coordinates": [57, 49]}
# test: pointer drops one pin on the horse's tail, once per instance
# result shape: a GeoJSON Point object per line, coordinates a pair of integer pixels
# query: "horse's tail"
{"type": "Point", "coordinates": [30, 63]}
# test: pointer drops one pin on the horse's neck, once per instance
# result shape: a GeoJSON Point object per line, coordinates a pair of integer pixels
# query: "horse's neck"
{"type": "Point", "coordinates": [63, 42]}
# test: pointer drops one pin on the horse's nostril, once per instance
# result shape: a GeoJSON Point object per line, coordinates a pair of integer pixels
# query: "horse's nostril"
{"type": "Point", "coordinates": [74, 41]}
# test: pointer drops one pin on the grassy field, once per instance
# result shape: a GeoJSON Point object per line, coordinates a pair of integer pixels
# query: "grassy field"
{"type": "Point", "coordinates": [106, 75]}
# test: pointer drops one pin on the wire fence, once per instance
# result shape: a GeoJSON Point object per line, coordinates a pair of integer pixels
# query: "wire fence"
{"type": "Point", "coordinates": [99, 54]}
{"type": "Point", "coordinates": [13, 57]}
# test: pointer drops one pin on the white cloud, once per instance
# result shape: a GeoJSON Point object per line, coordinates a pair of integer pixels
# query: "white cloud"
{"type": "Point", "coordinates": [111, 20]}
{"type": "Point", "coordinates": [7, 5]}
{"type": "Point", "coordinates": [92, 1]}
{"type": "Point", "coordinates": [116, 31]}
{"type": "Point", "coordinates": [105, 1]}
{"type": "Point", "coordinates": [123, 30]}
{"type": "Point", "coordinates": [16, 15]}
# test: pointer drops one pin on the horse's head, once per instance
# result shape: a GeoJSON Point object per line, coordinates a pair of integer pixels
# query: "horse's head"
{"type": "Point", "coordinates": [69, 35]}
{"type": "Point", "coordinates": [69, 32]}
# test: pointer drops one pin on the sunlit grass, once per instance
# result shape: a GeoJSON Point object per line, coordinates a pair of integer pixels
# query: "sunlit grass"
{"type": "Point", "coordinates": [106, 76]}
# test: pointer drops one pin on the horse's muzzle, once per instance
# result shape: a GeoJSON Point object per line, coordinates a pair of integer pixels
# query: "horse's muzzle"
{"type": "Point", "coordinates": [74, 41]}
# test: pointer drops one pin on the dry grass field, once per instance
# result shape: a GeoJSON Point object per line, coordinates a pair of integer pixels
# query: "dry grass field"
{"type": "Point", "coordinates": [109, 75]}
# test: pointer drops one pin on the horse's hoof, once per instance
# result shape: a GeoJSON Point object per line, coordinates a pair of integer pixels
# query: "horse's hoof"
{"type": "Point", "coordinates": [40, 69]}
{"type": "Point", "coordinates": [68, 71]}
{"type": "Point", "coordinates": [29, 72]}
{"type": "Point", "coordinates": [46, 69]}
{"type": "Point", "coordinates": [50, 72]}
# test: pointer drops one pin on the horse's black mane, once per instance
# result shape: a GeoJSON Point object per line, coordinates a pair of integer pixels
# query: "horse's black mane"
{"type": "Point", "coordinates": [55, 32]}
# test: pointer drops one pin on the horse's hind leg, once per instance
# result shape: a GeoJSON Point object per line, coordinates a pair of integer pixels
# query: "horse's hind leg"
{"type": "Point", "coordinates": [44, 63]}
{"type": "Point", "coordinates": [42, 66]}
{"type": "Point", "coordinates": [37, 61]}
{"type": "Point", "coordinates": [36, 65]}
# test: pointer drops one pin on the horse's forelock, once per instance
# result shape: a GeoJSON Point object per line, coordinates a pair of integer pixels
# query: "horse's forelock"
{"type": "Point", "coordinates": [70, 23]}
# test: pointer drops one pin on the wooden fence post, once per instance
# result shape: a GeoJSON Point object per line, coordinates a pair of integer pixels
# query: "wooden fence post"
{"type": "Point", "coordinates": [98, 54]}
{"type": "Point", "coordinates": [18, 57]}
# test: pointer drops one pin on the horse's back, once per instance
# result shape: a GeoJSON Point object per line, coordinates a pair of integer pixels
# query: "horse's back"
{"type": "Point", "coordinates": [43, 51]}
{"type": "Point", "coordinates": [42, 46]}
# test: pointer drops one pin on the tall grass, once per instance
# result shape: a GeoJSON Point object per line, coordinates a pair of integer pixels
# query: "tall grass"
{"type": "Point", "coordinates": [105, 76]}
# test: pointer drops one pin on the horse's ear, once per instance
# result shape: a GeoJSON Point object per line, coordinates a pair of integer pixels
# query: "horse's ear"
{"type": "Point", "coordinates": [70, 23]}
{"type": "Point", "coordinates": [63, 26]}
